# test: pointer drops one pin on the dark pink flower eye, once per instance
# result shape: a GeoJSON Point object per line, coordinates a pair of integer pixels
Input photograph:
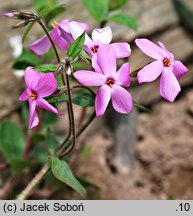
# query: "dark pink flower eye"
{"type": "Point", "coordinates": [167, 62]}
{"type": "Point", "coordinates": [110, 82]}
{"type": "Point", "coordinates": [95, 48]}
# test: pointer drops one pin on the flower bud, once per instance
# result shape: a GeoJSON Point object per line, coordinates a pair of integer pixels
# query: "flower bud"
{"type": "Point", "coordinates": [60, 69]}
{"type": "Point", "coordinates": [20, 24]}
{"type": "Point", "coordinates": [25, 15]}
{"type": "Point", "coordinates": [9, 14]}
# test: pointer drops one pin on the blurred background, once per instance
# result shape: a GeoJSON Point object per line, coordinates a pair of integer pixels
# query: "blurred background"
{"type": "Point", "coordinates": [141, 156]}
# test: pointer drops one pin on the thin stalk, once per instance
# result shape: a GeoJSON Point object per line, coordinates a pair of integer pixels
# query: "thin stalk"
{"type": "Point", "coordinates": [37, 179]}
{"type": "Point", "coordinates": [62, 77]}
{"type": "Point", "coordinates": [51, 41]}
{"type": "Point", "coordinates": [72, 122]}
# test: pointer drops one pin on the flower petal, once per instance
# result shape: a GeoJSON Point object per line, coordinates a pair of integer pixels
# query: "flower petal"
{"type": "Point", "coordinates": [102, 99]}
{"type": "Point", "coordinates": [150, 48]}
{"type": "Point", "coordinates": [166, 52]}
{"type": "Point", "coordinates": [47, 85]}
{"type": "Point", "coordinates": [33, 117]}
{"type": "Point", "coordinates": [31, 78]}
{"type": "Point", "coordinates": [76, 30]}
{"type": "Point", "coordinates": [56, 35]}
{"type": "Point", "coordinates": [64, 24]}
{"type": "Point", "coordinates": [40, 46]}
{"type": "Point", "coordinates": [95, 64]}
{"type": "Point", "coordinates": [122, 76]}
{"type": "Point", "coordinates": [90, 78]}
{"type": "Point", "coordinates": [179, 69]}
{"type": "Point", "coordinates": [24, 95]}
{"type": "Point", "coordinates": [106, 56]}
{"type": "Point", "coordinates": [121, 99]}
{"type": "Point", "coordinates": [169, 86]}
{"type": "Point", "coordinates": [122, 49]}
{"type": "Point", "coordinates": [150, 72]}
{"type": "Point", "coordinates": [42, 103]}
{"type": "Point", "coordinates": [102, 35]}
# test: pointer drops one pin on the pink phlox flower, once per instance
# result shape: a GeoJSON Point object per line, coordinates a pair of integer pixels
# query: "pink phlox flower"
{"type": "Point", "coordinates": [110, 82]}
{"type": "Point", "coordinates": [60, 35]}
{"type": "Point", "coordinates": [100, 36]}
{"type": "Point", "coordinates": [39, 85]}
{"type": "Point", "coordinates": [165, 65]}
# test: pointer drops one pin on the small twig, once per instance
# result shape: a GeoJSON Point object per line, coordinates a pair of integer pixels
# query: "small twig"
{"type": "Point", "coordinates": [28, 190]}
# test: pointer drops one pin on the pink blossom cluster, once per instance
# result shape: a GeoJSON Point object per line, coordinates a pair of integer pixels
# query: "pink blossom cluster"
{"type": "Point", "coordinates": [111, 81]}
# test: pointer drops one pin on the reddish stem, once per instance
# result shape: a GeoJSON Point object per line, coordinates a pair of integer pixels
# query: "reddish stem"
{"type": "Point", "coordinates": [82, 116]}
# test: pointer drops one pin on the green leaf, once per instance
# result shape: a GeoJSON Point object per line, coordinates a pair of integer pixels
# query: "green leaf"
{"type": "Point", "coordinates": [50, 118]}
{"type": "Point", "coordinates": [97, 8]}
{"type": "Point", "coordinates": [124, 19]}
{"type": "Point", "coordinates": [82, 99]}
{"type": "Point", "coordinates": [27, 30]}
{"type": "Point", "coordinates": [38, 4]}
{"type": "Point", "coordinates": [59, 9]}
{"type": "Point", "coordinates": [87, 183]}
{"type": "Point", "coordinates": [46, 68]}
{"type": "Point", "coordinates": [76, 47]}
{"type": "Point", "coordinates": [37, 139]}
{"type": "Point", "coordinates": [140, 107]}
{"type": "Point", "coordinates": [25, 115]}
{"type": "Point", "coordinates": [51, 141]}
{"type": "Point", "coordinates": [185, 13]}
{"type": "Point", "coordinates": [12, 142]}
{"type": "Point", "coordinates": [18, 165]}
{"type": "Point", "coordinates": [59, 99]}
{"type": "Point", "coordinates": [133, 74]}
{"type": "Point", "coordinates": [47, 12]}
{"type": "Point", "coordinates": [26, 59]}
{"type": "Point", "coordinates": [116, 4]}
{"type": "Point", "coordinates": [62, 172]}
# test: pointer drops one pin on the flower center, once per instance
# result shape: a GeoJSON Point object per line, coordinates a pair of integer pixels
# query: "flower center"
{"type": "Point", "coordinates": [55, 24]}
{"type": "Point", "coordinates": [110, 82]}
{"type": "Point", "coordinates": [95, 48]}
{"type": "Point", "coordinates": [33, 96]}
{"type": "Point", "coordinates": [167, 62]}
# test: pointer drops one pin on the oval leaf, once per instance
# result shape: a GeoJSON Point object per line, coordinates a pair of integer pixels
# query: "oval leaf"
{"type": "Point", "coordinates": [76, 47]}
{"type": "Point", "coordinates": [12, 142]}
{"type": "Point", "coordinates": [62, 172]}
{"type": "Point", "coordinates": [50, 11]}
{"type": "Point", "coordinates": [82, 99]}
{"type": "Point", "coordinates": [51, 141]}
{"type": "Point", "coordinates": [124, 19]}
{"type": "Point", "coordinates": [97, 8]}
{"type": "Point", "coordinates": [26, 59]}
